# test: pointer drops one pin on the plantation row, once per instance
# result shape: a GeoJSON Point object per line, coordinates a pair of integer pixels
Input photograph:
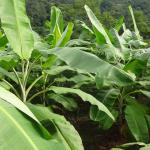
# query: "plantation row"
{"type": "Point", "coordinates": [108, 69]}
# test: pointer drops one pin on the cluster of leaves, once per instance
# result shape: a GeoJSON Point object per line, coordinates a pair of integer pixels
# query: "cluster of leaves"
{"type": "Point", "coordinates": [127, 51]}
{"type": "Point", "coordinates": [30, 73]}
{"type": "Point", "coordinates": [39, 75]}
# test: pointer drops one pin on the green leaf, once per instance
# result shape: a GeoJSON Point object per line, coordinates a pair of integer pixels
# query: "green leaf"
{"type": "Point", "coordinates": [86, 27]}
{"type": "Point", "coordinates": [17, 27]}
{"type": "Point", "coordinates": [144, 83]}
{"type": "Point", "coordinates": [77, 42]}
{"type": "Point", "coordinates": [138, 63]}
{"type": "Point", "coordinates": [137, 123]}
{"type": "Point", "coordinates": [78, 59]}
{"type": "Point", "coordinates": [57, 35]}
{"type": "Point", "coordinates": [145, 148]}
{"type": "Point", "coordinates": [67, 102]}
{"type": "Point", "coordinates": [132, 144]}
{"type": "Point", "coordinates": [135, 66]}
{"type": "Point", "coordinates": [79, 80]}
{"type": "Point", "coordinates": [100, 31]}
{"type": "Point", "coordinates": [85, 97]}
{"type": "Point", "coordinates": [20, 131]}
{"type": "Point", "coordinates": [118, 41]}
{"type": "Point", "coordinates": [56, 26]}
{"type": "Point", "coordinates": [8, 60]}
{"type": "Point", "coordinates": [99, 37]}
{"type": "Point", "coordinates": [128, 145]}
{"type": "Point", "coordinates": [66, 133]}
{"type": "Point", "coordinates": [57, 70]}
{"type": "Point", "coordinates": [104, 121]}
{"type": "Point", "coordinates": [66, 35]}
{"type": "Point", "coordinates": [3, 41]}
{"type": "Point", "coordinates": [108, 98]}
{"type": "Point", "coordinates": [8, 74]}
{"type": "Point", "coordinates": [49, 62]}
{"type": "Point", "coordinates": [82, 79]}
{"type": "Point", "coordinates": [112, 53]}
{"type": "Point", "coordinates": [5, 85]}
{"type": "Point", "coordinates": [16, 102]}
{"type": "Point", "coordinates": [119, 23]}
{"type": "Point", "coordinates": [146, 93]}
{"type": "Point", "coordinates": [56, 19]}
{"type": "Point", "coordinates": [134, 22]}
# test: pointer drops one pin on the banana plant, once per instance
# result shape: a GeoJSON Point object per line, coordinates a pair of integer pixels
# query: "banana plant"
{"type": "Point", "coordinates": [21, 127]}
{"type": "Point", "coordinates": [58, 37]}
{"type": "Point", "coordinates": [33, 76]}
{"type": "Point", "coordinates": [122, 100]}
{"type": "Point", "coordinates": [30, 126]}
{"type": "Point", "coordinates": [17, 29]}
{"type": "Point", "coordinates": [108, 43]}
{"type": "Point", "coordinates": [27, 80]}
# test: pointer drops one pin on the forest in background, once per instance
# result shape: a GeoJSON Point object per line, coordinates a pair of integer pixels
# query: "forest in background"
{"type": "Point", "coordinates": [83, 83]}
{"type": "Point", "coordinates": [106, 10]}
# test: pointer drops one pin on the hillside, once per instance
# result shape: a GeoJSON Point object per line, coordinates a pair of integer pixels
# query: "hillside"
{"type": "Point", "coordinates": [106, 10]}
{"type": "Point", "coordinates": [121, 5]}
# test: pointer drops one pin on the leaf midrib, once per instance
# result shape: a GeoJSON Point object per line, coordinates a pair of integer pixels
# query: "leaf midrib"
{"type": "Point", "coordinates": [63, 136]}
{"type": "Point", "coordinates": [18, 28]}
{"type": "Point", "coordinates": [19, 128]}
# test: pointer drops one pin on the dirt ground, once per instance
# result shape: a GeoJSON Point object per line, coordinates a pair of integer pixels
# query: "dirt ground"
{"type": "Point", "coordinates": [93, 138]}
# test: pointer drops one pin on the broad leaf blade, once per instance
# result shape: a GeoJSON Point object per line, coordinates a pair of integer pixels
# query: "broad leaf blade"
{"type": "Point", "coordinates": [17, 27]}
{"type": "Point", "coordinates": [85, 97]}
{"type": "Point", "coordinates": [78, 59]}
{"type": "Point", "coordinates": [119, 23]}
{"type": "Point", "coordinates": [16, 102]}
{"type": "Point", "coordinates": [147, 147]}
{"type": "Point", "coordinates": [136, 120]}
{"type": "Point", "coordinates": [138, 63]}
{"type": "Point", "coordinates": [65, 36]}
{"type": "Point", "coordinates": [108, 98]}
{"type": "Point", "coordinates": [66, 133]}
{"type": "Point", "coordinates": [57, 70]}
{"type": "Point", "coordinates": [56, 19]}
{"type": "Point", "coordinates": [98, 26]}
{"type": "Point", "coordinates": [57, 35]}
{"type": "Point", "coordinates": [67, 102]}
{"type": "Point", "coordinates": [134, 22]}
{"type": "Point", "coordinates": [8, 74]}
{"type": "Point", "coordinates": [15, 126]}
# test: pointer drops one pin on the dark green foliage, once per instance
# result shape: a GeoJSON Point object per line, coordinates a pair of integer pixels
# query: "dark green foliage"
{"type": "Point", "coordinates": [142, 13]}
{"type": "Point", "coordinates": [107, 66]}
{"type": "Point", "coordinates": [106, 10]}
